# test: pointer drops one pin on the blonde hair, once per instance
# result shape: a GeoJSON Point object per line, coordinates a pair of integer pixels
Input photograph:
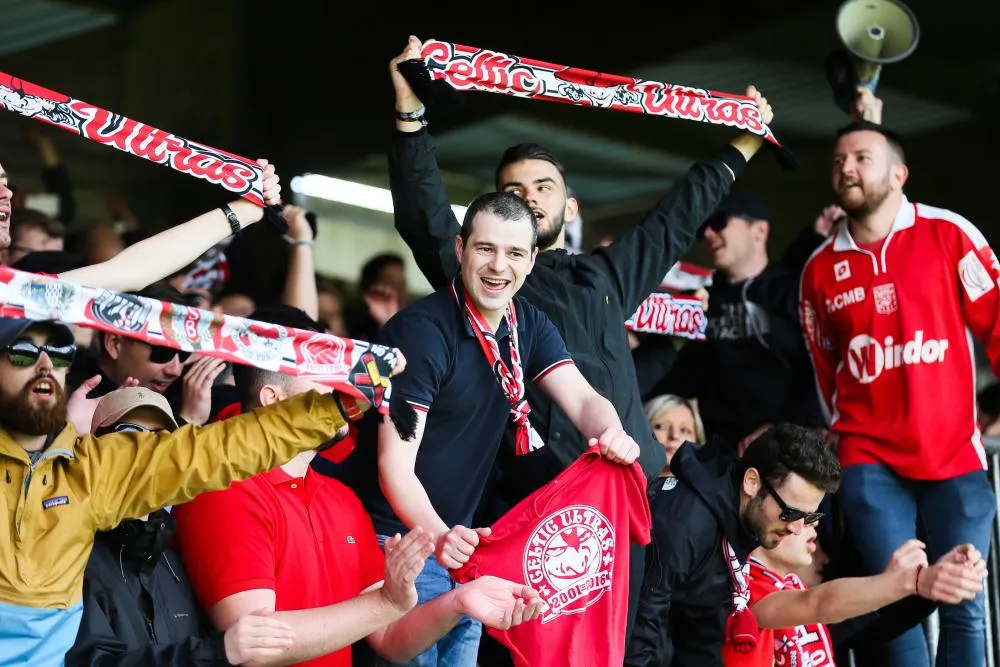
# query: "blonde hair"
{"type": "Point", "coordinates": [657, 405]}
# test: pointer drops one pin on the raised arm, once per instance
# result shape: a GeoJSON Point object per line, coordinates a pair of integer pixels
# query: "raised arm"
{"type": "Point", "coordinates": [136, 473]}
{"type": "Point", "coordinates": [424, 217]}
{"type": "Point", "coordinates": [300, 281]}
{"type": "Point", "coordinates": [161, 255]}
{"type": "Point", "coordinates": [639, 259]}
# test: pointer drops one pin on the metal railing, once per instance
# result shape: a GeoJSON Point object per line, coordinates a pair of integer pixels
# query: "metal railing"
{"type": "Point", "coordinates": [993, 580]}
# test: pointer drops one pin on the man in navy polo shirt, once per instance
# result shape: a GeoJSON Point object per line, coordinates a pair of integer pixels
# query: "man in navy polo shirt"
{"type": "Point", "coordinates": [470, 348]}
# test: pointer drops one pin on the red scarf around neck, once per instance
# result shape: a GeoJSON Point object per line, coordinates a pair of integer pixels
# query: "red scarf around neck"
{"type": "Point", "coordinates": [511, 379]}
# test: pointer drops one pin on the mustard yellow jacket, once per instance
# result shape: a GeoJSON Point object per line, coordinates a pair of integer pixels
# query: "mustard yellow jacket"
{"type": "Point", "coordinates": [82, 485]}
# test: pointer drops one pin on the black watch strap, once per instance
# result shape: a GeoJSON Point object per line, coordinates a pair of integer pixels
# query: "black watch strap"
{"type": "Point", "coordinates": [234, 221]}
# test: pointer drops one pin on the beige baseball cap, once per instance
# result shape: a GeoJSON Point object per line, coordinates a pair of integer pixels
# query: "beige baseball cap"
{"type": "Point", "coordinates": [118, 403]}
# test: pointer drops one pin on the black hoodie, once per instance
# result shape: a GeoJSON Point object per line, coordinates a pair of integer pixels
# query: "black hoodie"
{"type": "Point", "coordinates": [687, 591]}
{"type": "Point", "coordinates": [754, 367]}
{"type": "Point", "coordinates": [138, 605]}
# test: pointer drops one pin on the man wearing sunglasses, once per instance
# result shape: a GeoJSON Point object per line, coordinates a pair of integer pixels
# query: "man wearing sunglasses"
{"type": "Point", "coordinates": [58, 489]}
{"type": "Point", "coordinates": [194, 399]}
{"type": "Point", "coordinates": [753, 369]}
{"type": "Point", "coordinates": [705, 524]}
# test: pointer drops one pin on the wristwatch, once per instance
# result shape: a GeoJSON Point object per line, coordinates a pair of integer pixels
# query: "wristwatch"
{"type": "Point", "coordinates": [413, 116]}
{"type": "Point", "coordinates": [234, 221]}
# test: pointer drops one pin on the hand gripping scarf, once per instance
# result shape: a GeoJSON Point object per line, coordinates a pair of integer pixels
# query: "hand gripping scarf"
{"type": "Point", "coordinates": [353, 368]}
{"type": "Point", "coordinates": [464, 68]}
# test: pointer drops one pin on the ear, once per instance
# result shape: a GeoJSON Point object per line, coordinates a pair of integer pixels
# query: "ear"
{"type": "Point", "coordinates": [270, 394]}
{"type": "Point", "coordinates": [762, 229]}
{"type": "Point", "coordinates": [751, 482]}
{"type": "Point", "coordinates": [900, 173]}
{"type": "Point", "coordinates": [572, 208]}
{"type": "Point", "coordinates": [112, 344]}
{"type": "Point", "coordinates": [459, 247]}
{"type": "Point", "coordinates": [534, 256]}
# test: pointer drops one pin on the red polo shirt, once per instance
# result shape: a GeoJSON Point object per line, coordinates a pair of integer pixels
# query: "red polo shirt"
{"type": "Point", "coordinates": [308, 539]}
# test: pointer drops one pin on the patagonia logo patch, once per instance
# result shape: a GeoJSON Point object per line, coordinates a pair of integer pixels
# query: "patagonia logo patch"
{"type": "Point", "coordinates": [55, 502]}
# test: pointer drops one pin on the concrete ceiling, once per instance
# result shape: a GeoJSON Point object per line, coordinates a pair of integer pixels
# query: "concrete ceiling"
{"type": "Point", "coordinates": [30, 23]}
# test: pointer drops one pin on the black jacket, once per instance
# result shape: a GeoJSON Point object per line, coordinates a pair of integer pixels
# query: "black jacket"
{"type": "Point", "coordinates": [138, 606]}
{"type": "Point", "coordinates": [687, 594]}
{"type": "Point", "coordinates": [754, 367]}
{"type": "Point", "coordinates": [588, 297]}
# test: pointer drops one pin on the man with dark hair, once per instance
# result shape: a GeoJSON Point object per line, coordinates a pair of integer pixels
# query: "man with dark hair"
{"type": "Point", "coordinates": [472, 347]}
{"type": "Point", "coordinates": [887, 307]}
{"type": "Point", "coordinates": [588, 296]}
{"type": "Point", "coordinates": [707, 520]}
{"type": "Point", "coordinates": [120, 358]}
{"type": "Point", "coordinates": [753, 369]}
{"type": "Point", "coordinates": [300, 544]}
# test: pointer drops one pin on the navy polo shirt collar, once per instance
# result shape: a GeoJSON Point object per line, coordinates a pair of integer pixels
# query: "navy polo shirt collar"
{"type": "Point", "coordinates": [502, 332]}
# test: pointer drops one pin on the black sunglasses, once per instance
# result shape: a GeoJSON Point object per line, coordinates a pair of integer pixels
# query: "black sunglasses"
{"type": "Point", "coordinates": [716, 223]}
{"type": "Point", "coordinates": [164, 355]}
{"type": "Point", "coordinates": [24, 353]}
{"type": "Point", "coordinates": [790, 514]}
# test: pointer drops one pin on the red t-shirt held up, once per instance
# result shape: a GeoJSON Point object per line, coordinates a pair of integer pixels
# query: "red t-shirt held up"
{"type": "Point", "coordinates": [570, 542]}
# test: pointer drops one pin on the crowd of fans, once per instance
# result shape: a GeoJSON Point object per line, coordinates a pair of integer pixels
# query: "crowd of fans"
{"type": "Point", "coordinates": [815, 466]}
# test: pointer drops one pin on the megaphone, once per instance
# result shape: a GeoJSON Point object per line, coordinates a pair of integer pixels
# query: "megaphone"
{"type": "Point", "coordinates": [874, 33]}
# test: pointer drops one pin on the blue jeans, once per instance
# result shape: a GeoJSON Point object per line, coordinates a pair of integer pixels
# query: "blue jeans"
{"type": "Point", "coordinates": [460, 646]}
{"type": "Point", "coordinates": [883, 510]}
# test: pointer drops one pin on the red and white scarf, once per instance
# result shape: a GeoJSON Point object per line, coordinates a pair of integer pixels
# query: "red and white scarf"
{"type": "Point", "coordinates": [472, 68]}
{"type": "Point", "coordinates": [741, 625]}
{"type": "Point", "coordinates": [353, 368]}
{"type": "Point", "coordinates": [510, 379]}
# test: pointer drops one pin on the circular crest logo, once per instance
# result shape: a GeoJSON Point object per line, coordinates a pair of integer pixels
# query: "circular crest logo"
{"type": "Point", "coordinates": [259, 343]}
{"type": "Point", "coordinates": [569, 559]}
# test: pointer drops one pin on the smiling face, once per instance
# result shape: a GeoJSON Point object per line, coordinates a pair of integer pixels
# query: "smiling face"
{"type": "Point", "coordinates": [496, 258]}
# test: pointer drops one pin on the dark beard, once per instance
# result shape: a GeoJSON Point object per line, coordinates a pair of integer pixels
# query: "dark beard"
{"type": "Point", "coordinates": [548, 237]}
{"type": "Point", "coordinates": [747, 516]}
{"type": "Point", "coordinates": [872, 201]}
{"type": "Point", "coordinates": [18, 415]}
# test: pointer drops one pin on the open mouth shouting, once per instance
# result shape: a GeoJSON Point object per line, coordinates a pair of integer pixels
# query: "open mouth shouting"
{"type": "Point", "coordinates": [44, 389]}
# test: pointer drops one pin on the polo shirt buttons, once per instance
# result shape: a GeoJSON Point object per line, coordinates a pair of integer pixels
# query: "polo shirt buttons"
{"type": "Point", "coordinates": [556, 435]}
{"type": "Point", "coordinates": [295, 486]}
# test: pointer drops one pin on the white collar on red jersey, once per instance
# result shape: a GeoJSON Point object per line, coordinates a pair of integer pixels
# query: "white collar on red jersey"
{"type": "Point", "coordinates": [905, 217]}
